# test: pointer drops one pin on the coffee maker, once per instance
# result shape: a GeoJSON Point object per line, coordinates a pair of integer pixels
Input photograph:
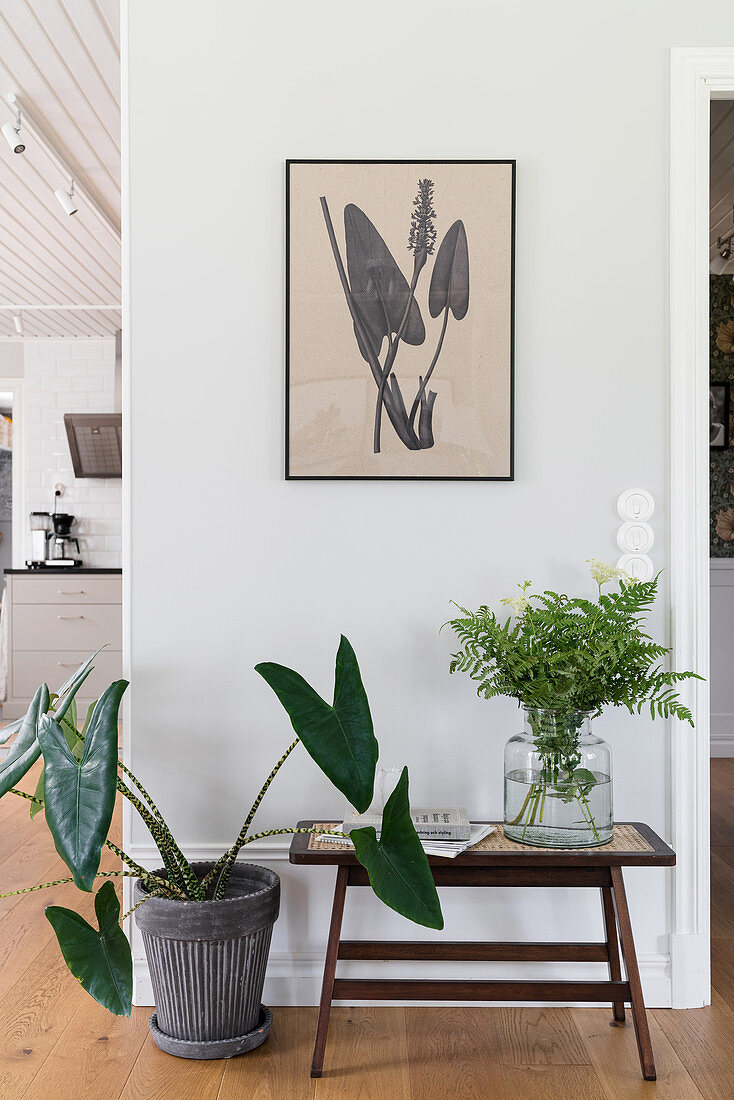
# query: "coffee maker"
{"type": "Point", "coordinates": [52, 543]}
{"type": "Point", "coordinates": [61, 541]}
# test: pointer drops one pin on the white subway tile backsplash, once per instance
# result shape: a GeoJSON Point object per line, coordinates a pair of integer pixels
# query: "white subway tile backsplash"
{"type": "Point", "coordinates": [62, 377]}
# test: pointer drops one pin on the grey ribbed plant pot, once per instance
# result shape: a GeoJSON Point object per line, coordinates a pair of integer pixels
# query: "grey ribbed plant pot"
{"type": "Point", "coordinates": [207, 964]}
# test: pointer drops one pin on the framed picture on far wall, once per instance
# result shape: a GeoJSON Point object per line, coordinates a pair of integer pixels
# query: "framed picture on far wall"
{"type": "Point", "coordinates": [400, 327]}
{"type": "Point", "coordinates": [719, 415]}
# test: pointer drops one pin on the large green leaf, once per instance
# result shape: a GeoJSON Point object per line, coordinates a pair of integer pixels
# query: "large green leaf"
{"type": "Point", "coordinates": [25, 749]}
{"type": "Point", "coordinates": [70, 687]}
{"type": "Point", "coordinates": [379, 288]}
{"type": "Point", "coordinates": [7, 731]}
{"type": "Point", "coordinates": [340, 737]}
{"type": "Point", "coordinates": [450, 279]}
{"type": "Point", "coordinates": [396, 863]}
{"type": "Point", "coordinates": [80, 794]}
{"type": "Point", "coordinates": [100, 960]}
{"type": "Point", "coordinates": [74, 740]}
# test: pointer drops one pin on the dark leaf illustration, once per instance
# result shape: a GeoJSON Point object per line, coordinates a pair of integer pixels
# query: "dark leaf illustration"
{"type": "Point", "coordinates": [425, 420]}
{"type": "Point", "coordinates": [396, 863]}
{"type": "Point", "coordinates": [340, 737]}
{"type": "Point", "coordinates": [450, 279]}
{"type": "Point", "coordinates": [101, 960]}
{"type": "Point", "coordinates": [379, 288]}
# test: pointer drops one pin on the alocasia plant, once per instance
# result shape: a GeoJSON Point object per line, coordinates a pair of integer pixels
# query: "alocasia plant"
{"type": "Point", "coordinates": [82, 775]}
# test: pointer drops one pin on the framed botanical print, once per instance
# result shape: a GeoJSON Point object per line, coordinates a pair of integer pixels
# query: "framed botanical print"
{"type": "Point", "coordinates": [400, 319]}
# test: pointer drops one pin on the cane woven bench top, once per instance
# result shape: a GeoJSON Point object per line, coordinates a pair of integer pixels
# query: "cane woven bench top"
{"type": "Point", "coordinates": [633, 843]}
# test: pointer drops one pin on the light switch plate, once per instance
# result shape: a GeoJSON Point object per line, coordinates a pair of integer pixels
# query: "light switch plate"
{"type": "Point", "coordinates": [635, 538]}
{"type": "Point", "coordinates": [638, 566]}
{"type": "Point", "coordinates": [636, 505]}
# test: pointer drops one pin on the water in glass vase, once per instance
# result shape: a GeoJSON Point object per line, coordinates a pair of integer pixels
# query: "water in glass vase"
{"type": "Point", "coordinates": [558, 782]}
{"type": "Point", "coordinates": [567, 814]}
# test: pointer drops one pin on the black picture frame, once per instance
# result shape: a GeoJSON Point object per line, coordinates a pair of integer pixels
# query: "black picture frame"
{"type": "Point", "coordinates": [719, 405]}
{"type": "Point", "coordinates": [289, 474]}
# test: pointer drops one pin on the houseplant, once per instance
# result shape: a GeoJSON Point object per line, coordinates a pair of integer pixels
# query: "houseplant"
{"type": "Point", "coordinates": [565, 660]}
{"type": "Point", "coordinates": [206, 926]}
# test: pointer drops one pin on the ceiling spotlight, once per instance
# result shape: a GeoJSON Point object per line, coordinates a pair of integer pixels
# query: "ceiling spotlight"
{"type": "Point", "coordinates": [12, 135]}
{"type": "Point", "coordinates": [66, 198]}
{"type": "Point", "coordinates": [18, 322]}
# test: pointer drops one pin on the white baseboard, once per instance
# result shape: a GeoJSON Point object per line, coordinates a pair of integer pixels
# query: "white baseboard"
{"type": "Point", "coordinates": [722, 734]}
{"type": "Point", "coordinates": [295, 979]}
{"type": "Point", "coordinates": [691, 969]}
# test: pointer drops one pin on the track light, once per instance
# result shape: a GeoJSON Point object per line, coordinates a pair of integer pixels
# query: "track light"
{"type": "Point", "coordinates": [66, 198]}
{"type": "Point", "coordinates": [12, 135]}
{"type": "Point", "coordinates": [18, 322]}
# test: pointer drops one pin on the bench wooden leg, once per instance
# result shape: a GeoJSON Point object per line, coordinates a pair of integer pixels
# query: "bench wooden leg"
{"type": "Point", "coordinates": [610, 928]}
{"type": "Point", "coordinates": [327, 987]}
{"type": "Point", "coordinates": [639, 1016]}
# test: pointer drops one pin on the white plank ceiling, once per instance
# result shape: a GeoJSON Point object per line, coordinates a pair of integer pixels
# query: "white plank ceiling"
{"type": "Point", "coordinates": [62, 58]}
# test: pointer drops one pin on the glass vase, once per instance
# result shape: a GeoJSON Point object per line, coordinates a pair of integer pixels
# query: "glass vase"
{"type": "Point", "coordinates": [558, 782]}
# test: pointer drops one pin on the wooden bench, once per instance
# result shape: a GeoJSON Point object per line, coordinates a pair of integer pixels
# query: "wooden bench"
{"type": "Point", "coordinates": [499, 862]}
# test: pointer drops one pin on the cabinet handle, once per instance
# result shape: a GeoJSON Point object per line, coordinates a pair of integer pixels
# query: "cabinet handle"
{"type": "Point", "coordinates": [66, 664]}
{"type": "Point", "coordinates": [69, 618]}
{"type": "Point", "coordinates": [63, 592]}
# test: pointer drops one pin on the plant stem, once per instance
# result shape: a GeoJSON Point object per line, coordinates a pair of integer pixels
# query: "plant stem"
{"type": "Point", "coordinates": [418, 264]}
{"type": "Point", "coordinates": [429, 372]}
{"type": "Point", "coordinates": [226, 862]}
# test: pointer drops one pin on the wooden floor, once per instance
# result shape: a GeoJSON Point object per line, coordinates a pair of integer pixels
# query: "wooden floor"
{"type": "Point", "coordinates": [57, 1044]}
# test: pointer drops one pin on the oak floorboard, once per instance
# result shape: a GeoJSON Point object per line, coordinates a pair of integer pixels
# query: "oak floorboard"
{"type": "Point", "coordinates": [159, 1076]}
{"type": "Point", "coordinates": [722, 897]}
{"type": "Point", "coordinates": [612, 1050]}
{"type": "Point", "coordinates": [93, 1057]}
{"type": "Point", "coordinates": [548, 1082]}
{"type": "Point", "coordinates": [722, 969]}
{"type": "Point", "coordinates": [538, 1036]}
{"type": "Point", "coordinates": [281, 1066]}
{"type": "Point", "coordinates": [366, 1056]}
{"type": "Point", "coordinates": [33, 1015]}
{"type": "Point", "coordinates": [453, 1052]}
{"type": "Point", "coordinates": [703, 1039]}
{"type": "Point", "coordinates": [722, 822]}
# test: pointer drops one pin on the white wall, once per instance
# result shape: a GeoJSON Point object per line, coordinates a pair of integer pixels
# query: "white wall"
{"type": "Point", "coordinates": [60, 377]}
{"type": "Point", "coordinates": [12, 359]}
{"type": "Point", "coordinates": [577, 93]}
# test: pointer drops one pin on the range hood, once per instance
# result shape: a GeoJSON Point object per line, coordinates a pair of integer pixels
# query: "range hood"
{"type": "Point", "coordinates": [95, 439]}
{"type": "Point", "coordinates": [95, 442]}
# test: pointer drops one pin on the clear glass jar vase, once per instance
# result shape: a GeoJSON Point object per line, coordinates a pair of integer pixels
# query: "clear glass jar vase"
{"type": "Point", "coordinates": [558, 782]}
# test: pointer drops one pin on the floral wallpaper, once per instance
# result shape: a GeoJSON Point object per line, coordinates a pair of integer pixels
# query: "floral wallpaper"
{"type": "Point", "coordinates": [721, 359]}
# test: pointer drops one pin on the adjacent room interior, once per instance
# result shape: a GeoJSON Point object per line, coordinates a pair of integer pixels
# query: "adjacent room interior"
{"type": "Point", "coordinates": [366, 556]}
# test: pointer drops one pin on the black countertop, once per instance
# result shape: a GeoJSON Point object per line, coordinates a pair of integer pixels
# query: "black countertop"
{"type": "Point", "coordinates": [68, 571]}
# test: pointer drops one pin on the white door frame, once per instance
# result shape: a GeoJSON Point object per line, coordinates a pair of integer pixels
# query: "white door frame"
{"type": "Point", "coordinates": [16, 386]}
{"type": "Point", "coordinates": [696, 76]}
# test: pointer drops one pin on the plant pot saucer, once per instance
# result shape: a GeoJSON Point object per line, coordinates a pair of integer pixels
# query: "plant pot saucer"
{"type": "Point", "coordinates": [213, 1048]}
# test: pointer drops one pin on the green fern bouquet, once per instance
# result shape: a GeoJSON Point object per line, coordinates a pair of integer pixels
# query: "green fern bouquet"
{"type": "Point", "coordinates": [565, 659]}
{"type": "Point", "coordinates": [572, 654]}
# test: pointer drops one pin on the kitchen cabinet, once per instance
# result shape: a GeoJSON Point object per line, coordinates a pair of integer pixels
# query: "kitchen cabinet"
{"type": "Point", "coordinates": [56, 620]}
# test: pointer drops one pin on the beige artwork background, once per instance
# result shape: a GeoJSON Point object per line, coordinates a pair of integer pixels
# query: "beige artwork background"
{"type": "Point", "coordinates": [332, 394]}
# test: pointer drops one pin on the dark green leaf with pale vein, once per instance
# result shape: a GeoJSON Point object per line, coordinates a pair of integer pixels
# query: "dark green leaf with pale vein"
{"type": "Point", "coordinates": [396, 863]}
{"type": "Point", "coordinates": [25, 750]}
{"type": "Point", "coordinates": [80, 794]}
{"type": "Point", "coordinates": [100, 959]}
{"type": "Point", "coordinates": [340, 737]}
